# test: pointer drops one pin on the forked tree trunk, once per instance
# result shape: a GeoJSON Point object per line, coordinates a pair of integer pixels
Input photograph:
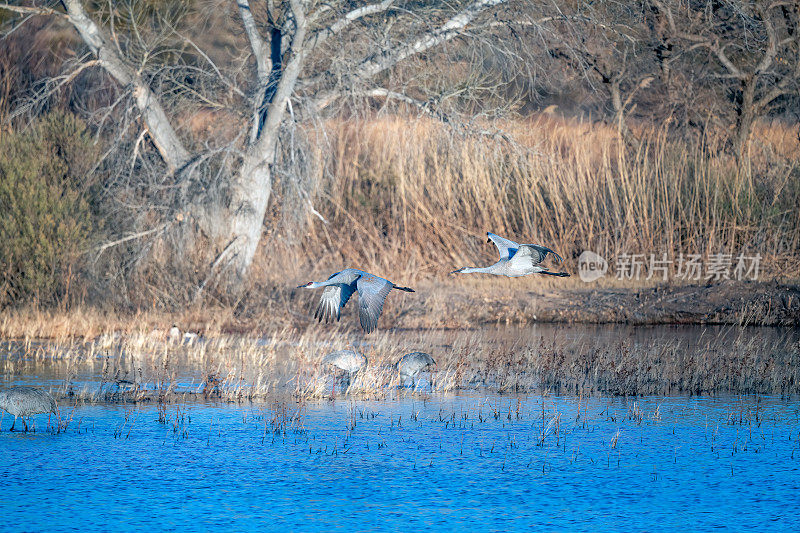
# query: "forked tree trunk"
{"type": "Point", "coordinates": [251, 189]}
{"type": "Point", "coordinates": [251, 185]}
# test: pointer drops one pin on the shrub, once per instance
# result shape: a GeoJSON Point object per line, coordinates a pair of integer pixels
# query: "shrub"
{"type": "Point", "coordinates": [46, 221]}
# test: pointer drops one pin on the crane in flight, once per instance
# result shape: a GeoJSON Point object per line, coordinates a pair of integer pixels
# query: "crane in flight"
{"type": "Point", "coordinates": [372, 292]}
{"type": "Point", "coordinates": [515, 260]}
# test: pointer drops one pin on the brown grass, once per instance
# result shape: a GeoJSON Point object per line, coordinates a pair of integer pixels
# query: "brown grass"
{"type": "Point", "coordinates": [408, 198]}
{"type": "Point", "coordinates": [146, 367]}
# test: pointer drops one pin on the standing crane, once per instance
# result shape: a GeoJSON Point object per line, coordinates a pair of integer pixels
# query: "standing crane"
{"type": "Point", "coordinates": [348, 360]}
{"type": "Point", "coordinates": [412, 364]}
{"type": "Point", "coordinates": [23, 402]}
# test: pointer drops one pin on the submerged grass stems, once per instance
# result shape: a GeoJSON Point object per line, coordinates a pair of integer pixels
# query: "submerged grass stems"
{"type": "Point", "coordinates": [143, 367]}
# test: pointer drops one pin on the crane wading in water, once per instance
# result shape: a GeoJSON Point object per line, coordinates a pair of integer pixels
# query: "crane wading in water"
{"type": "Point", "coordinates": [515, 260]}
{"type": "Point", "coordinates": [372, 291]}
{"type": "Point", "coordinates": [348, 360]}
{"type": "Point", "coordinates": [412, 364]}
{"type": "Point", "coordinates": [23, 402]}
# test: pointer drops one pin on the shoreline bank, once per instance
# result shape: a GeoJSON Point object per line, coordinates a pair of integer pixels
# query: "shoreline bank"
{"type": "Point", "coordinates": [444, 306]}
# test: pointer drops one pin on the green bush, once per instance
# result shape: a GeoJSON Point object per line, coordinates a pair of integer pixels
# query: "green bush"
{"type": "Point", "coordinates": [46, 221]}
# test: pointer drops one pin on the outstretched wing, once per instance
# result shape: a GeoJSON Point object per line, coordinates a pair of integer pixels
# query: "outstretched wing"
{"type": "Point", "coordinates": [506, 247]}
{"type": "Point", "coordinates": [333, 298]}
{"type": "Point", "coordinates": [524, 258]}
{"type": "Point", "coordinates": [372, 292]}
{"type": "Point", "coordinates": [543, 251]}
{"type": "Point", "coordinates": [530, 255]}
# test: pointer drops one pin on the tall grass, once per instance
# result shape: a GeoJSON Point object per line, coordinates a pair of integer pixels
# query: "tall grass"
{"type": "Point", "coordinates": [410, 196]}
{"type": "Point", "coordinates": [145, 366]}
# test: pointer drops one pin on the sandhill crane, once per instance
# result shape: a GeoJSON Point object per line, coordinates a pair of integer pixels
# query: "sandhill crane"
{"type": "Point", "coordinates": [26, 401]}
{"type": "Point", "coordinates": [174, 335]}
{"type": "Point", "coordinates": [515, 259]}
{"type": "Point", "coordinates": [348, 360]}
{"type": "Point", "coordinates": [372, 291]}
{"type": "Point", "coordinates": [412, 364]}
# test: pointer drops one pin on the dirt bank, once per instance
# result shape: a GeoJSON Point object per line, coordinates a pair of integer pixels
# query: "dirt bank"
{"type": "Point", "coordinates": [439, 305]}
{"type": "Point", "coordinates": [728, 302]}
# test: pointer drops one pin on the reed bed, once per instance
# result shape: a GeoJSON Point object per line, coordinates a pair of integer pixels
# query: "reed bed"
{"type": "Point", "coordinates": [144, 367]}
{"type": "Point", "coordinates": [409, 197]}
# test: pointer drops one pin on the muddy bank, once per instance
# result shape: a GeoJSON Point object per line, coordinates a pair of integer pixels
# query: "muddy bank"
{"type": "Point", "coordinates": [728, 302]}
{"type": "Point", "coordinates": [438, 305]}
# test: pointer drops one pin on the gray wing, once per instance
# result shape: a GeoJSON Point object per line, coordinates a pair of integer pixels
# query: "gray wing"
{"type": "Point", "coordinates": [530, 255]}
{"type": "Point", "coordinates": [347, 276]}
{"type": "Point", "coordinates": [372, 292]}
{"type": "Point", "coordinates": [543, 251]}
{"type": "Point", "coordinates": [506, 247]}
{"type": "Point", "coordinates": [333, 298]}
{"type": "Point", "coordinates": [525, 257]}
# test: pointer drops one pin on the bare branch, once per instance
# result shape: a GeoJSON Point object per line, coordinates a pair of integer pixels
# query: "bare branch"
{"type": "Point", "coordinates": [32, 10]}
{"type": "Point", "coordinates": [719, 51]}
{"type": "Point", "coordinates": [164, 137]}
{"type": "Point", "coordinates": [208, 60]}
{"type": "Point", "coordinates": [257, 44]}
{"type": "Point", "coordinates": [772, 47]}
{"type": "Point", "coordinates": [322, 35]}
{"type": "Point", "coordinates": [52, 86]}
{"type": "Point", "coordinates": [100, 249]}
{"type": "Point", "coordinates": [381, 92]}
{"type": "Point", "coordinates": [374, 66]}
{"type": "Point", "coordinates": [447, 31]}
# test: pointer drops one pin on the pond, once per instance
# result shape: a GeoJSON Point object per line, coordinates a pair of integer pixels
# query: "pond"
{"type": "Point", "coordinates": [454, 454]}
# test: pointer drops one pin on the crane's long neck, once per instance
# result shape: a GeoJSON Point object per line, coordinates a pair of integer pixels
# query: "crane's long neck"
{"type": "Point", "coordinates": [476, 270]}
{"type": "Point", "coordinates": [318, 284]}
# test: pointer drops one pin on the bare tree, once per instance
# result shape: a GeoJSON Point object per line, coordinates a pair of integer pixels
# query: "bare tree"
{"type": "Point", "coordinates": [748, 48]}
{"type": "Point", "coordinates": [607, 44]}
{"type": "Point", "coordinates": [307, 55]}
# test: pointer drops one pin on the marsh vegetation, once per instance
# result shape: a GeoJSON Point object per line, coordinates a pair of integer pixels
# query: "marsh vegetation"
{"type": "Point", "coordinates": [574, 360]}
{"type": "Point", "coordinates": [254, 423]}
{"type": "Point", "coordinates": [644, 129]}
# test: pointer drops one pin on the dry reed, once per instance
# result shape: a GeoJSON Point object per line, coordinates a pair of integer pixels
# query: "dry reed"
{"type": "Point", "coordinates": [144, 367]}
{"type": "Point", "coordinates": [409, 197]}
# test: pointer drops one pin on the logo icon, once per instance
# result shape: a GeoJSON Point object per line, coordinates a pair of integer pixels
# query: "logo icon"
{"type": "Point", "coordinates": [591, 266]}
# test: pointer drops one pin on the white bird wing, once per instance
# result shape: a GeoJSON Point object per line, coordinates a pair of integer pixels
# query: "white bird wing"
{"type": "Point", "coordinates": [372, 292]}
{"type": "Point", "coordinates": [333, 298]}
{"type": "Point", "coordinates": [530, 255]}
{"type": "Point", "coordinates": [506, 247]}
{"type": "Point", "coordinates": [543, 251]}
{"type": "Point", "coordinates": [525, 257]}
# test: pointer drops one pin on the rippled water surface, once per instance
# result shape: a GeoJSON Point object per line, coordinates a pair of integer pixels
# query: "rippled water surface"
{"type": "Point", "coordinates": [466, 459]}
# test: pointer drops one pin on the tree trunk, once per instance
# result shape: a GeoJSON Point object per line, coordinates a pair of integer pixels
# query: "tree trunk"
{"type": "Point", "coordinates": [250, 191]}
{"type": "Point", "coordinates": [277, 75]}
{"type": "Point", "coordinates": [746, 117]}
{"type": "Point", "coordinates": [161, 132]}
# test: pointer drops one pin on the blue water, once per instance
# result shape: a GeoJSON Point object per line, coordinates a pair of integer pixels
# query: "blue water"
{"type": "Point", "coordinates": [479, 463]}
